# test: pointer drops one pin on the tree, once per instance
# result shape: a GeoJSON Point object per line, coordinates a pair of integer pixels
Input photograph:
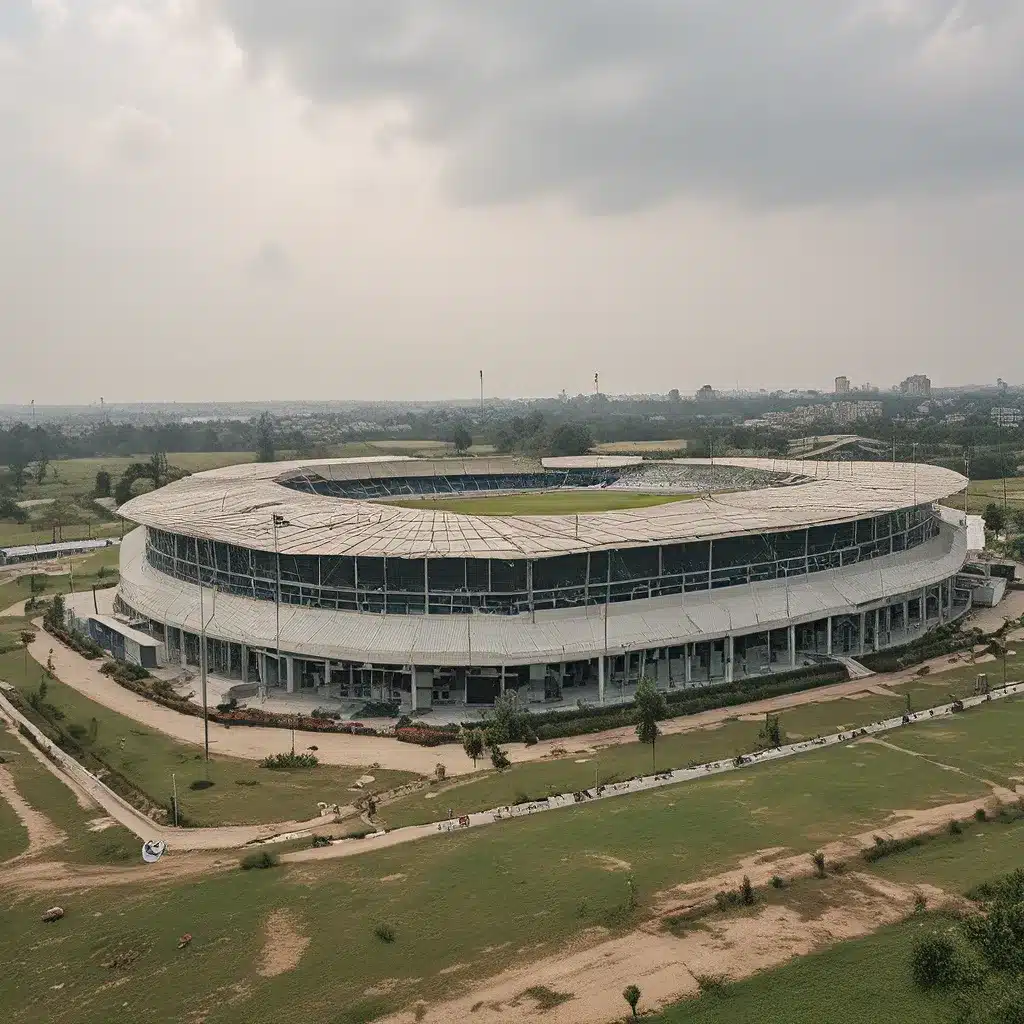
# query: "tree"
{"type": "Point", "coordinates": [55, 614]}
{"type": "Point", "coordinates": [673, 395]}
{"type": "Point", "coordinates": [498, 757]}
{"type": "Point", "coordinates": [771, 734]}
{"type": "Point", "coordinates": [1017, 519]}
{"type": "Point", "coordinates": [473, 744]}
{"type": "Point", "coordinates": [10, 509]}
{"type": "Point", "coordinates": [632, 996]}
{"type": "Point", "coordinates": [461, 437]}
{"type": "Point", "coordinates": [265, 430]}
{"type": "Point", "coordinates": [995, 518]}
{"type": "Point", "coordinates": [101, 489]}
{"type": "Point", "coordinates": [41, 465]}
{"type": "Point", "coordinates": [649, 705]}
{"type": "Point", "coordinates": [509, 721]}
{"type": "Point", "coordinates": [158, 469]}
{"type": "Point", "coordinates": [570, 439]}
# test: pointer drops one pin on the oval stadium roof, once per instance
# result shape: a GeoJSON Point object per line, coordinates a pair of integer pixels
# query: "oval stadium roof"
{"type": "Point", "coordinates": [236, 505]}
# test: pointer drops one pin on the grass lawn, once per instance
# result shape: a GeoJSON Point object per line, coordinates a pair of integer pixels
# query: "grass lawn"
{"type": "Point", "coordinates": [36, 531]}
{"type": "Point", "coordinates": [638, 447]}
{"type": "Point", "coordinates": [850, 981]}
{"type": "Point", "coordinates": [953, 741]}
{"type": "Point", "coordinates": [45, 792]}
{"type": "Point", "coordinates": [984, 492]}
{"type": "Point", "coordinates": [544, 503]}
{"type": "Point", "coordinates": [532, 883]}
{"type": "Point", "coordinates": [243, 792]}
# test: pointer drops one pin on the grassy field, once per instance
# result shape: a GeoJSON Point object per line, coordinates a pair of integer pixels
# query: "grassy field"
{"type": "Point", "coordinates": [638, 447]}
{"type": "Point", "coordinates": [40, 788]}
{"type": "Point", "coordinates": [478, 899]}
{"type": "Point", "coordinates": [544, 503]}
{"type": "Point", "coordinates": [985, 492]}
{"type": "Point", "coordinates": [849, 982]}
{"type": "Point", "coordinates": [243, 792]}
{"type": "Point", "coordinates": [99, 568]}
{"type": "Point", "coordinates": [539, 779]}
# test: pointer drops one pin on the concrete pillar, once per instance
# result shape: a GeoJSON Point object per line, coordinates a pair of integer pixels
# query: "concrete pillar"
{"type": "Point", "coordinates": [289, 668]}
{"type": "Point", "coordinates": [860, 639]}
{"type": "Point", "coordinates": [949, 590]}
{"type": "Point", "coordinates": [687, 667]}
{"type": "Point", "coordinates": [245, 663]}
{"type": "Point", "coordinates": [728, 653]}
{"type": "Point", "coordinates": [600, 678]}
{"type": "Point", "coordinates": [792, 646]}
{"type": "Point", "coordinates": [181, 647]}
{"type": "Point", "coordinates": [924, 606]}
{"type": "Point", "coordinates": [878, 628]}
{"type": "Point", "coordinates": [501, 683]}
{"type": "Point", "coordinates": [828, 638]}
{"type": "Point", "coordinates": [412, 686]}
{"type": "Point", "coordinates": [906, 617]}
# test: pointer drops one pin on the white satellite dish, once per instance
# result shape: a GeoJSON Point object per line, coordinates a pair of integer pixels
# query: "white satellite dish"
{"type": "Point", "coordinates": [153, 850]}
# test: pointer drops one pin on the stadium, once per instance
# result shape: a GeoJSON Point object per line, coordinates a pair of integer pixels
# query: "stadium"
{"type": "Point", "coordinates": [348, 580]}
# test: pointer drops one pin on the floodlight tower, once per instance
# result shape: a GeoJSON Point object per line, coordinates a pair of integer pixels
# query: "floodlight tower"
{"type": "Point", "coordinates": [597, 386]}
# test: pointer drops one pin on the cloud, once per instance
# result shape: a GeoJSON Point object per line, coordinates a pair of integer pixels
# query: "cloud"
{"type": "Point", "coordinates": [624, 104]}
{"type": "Point", "coordinates": [270, 265]}
{"type": "Point", "coordinates": [131, 136]}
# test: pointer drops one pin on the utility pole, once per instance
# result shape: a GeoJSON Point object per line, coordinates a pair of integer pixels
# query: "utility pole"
{"type": "Point", "coordinates": [278, 520]}
{"type": "Point", "coordinates": [597, 386]}
{"type": "Point", "coordinates": [967, 489]}
{"type": "Point", "coordinates": [481, 391]}
{"type": "Point", "coordinates": [202, 655]}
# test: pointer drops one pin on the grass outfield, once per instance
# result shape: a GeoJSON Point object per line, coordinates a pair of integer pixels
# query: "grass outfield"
{"type": "Point", "coordinates": [243, 793]}
{"type": "Point", "coordinates": [638, 447]}
{"type": "Point", "coordinates": [984, 492]}
{"type": "Point", "coordinates": [544, 503]}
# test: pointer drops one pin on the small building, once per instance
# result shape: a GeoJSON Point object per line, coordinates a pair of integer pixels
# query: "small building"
{"type": "Point", "coordinates": [41, 552]}
{"type": "Point", "coordinates": [842, 385]}
{"type": "Point", "coordinates": [126, 643]}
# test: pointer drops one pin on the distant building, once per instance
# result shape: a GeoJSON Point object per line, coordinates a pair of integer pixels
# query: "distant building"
{"type": "Point", "coordinates": [917, 386]}
{"type": "Point", "coordinates": [842, 385]}
{"type": "Point", "coordinates": [1005, 417]}
{"type": "Point", "coordinates": [706, 394]}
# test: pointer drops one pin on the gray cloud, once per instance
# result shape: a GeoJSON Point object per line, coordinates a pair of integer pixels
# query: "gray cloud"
{"type": "Point", "coordinates": [627, 103]}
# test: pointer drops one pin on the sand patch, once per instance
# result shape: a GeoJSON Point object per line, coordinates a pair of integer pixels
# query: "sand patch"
{"type": "Point", "coordinates": [454, 969]}
{"type": "Point", "coordinates": [610, 863]}
{"type": "Point", "coordinates": [283, 945]}
{"type": "Point", "coordinates": [664, 966]}
{"type": "Point", "coordinates": [42, 833]}
{"type": "Point", "coordinates": [392, 878]}
{"type": "Point", "coordinates": [386, 986]}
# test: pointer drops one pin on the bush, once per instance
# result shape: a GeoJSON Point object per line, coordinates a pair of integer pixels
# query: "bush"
{"type": "Point", "coordinates": [955, 828]}
{"type": "Point", "coordinates": [425, 736]}
{"type": "Point", "coordinates": [121, 671]}
{"type": "Point", "coordinates": [819, 863]}
{"type": "Point", "coordinates": [938, 962]}
{"type": "Point", "coordinates": [325, 713]}
{"type": "Point", "coordinates": [284, 762]}
{"type": "Point", "coordinates": [385, 933]}
{"type": "Point", "coordinates": [747, 895]}
{"type": "Point", "coordinates": [980, 815]}
{"type": "Point", "coordinates": [380, 709]}
{"type": "Point", "coordinates": [887, 847]}
{"type": "Point", "coordinates": [778, 882]}
{"type": "Point", "coordinates": [319, 841]}
{"type": "Point", "coordinates": [260, 860]}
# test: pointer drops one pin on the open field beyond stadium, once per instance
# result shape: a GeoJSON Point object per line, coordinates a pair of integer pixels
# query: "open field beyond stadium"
{"type": "Point", "coordinates": [461, 906]}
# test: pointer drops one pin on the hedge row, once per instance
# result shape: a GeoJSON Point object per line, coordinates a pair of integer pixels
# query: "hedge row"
{"type": "Point", "coordinates": [83, 645]}
{"type": "Point", "coordinates": [943, 640]}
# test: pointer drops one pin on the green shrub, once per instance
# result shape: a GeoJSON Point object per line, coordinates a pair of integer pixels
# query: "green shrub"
{"type": "Point", "coordinates": [938, 963]}
{"type": "Point", "coordinates": [887, 847]}
{"type": "Point", "coordinates": [778, 882]}
{"type": "Point", "coordinates": [385, 933]}
{"type": "Point", "coordinates": [979, 814]}
{"type": "Point", "coordinates": [285, 762]}
{"type": "Point", "coordinates": [747, 895]}
{"type": "Point", "coordinates": [259, 860]}
{"type": "Point", "coordinates": [955, 828]}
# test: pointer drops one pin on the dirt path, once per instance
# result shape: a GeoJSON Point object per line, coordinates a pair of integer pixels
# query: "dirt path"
{"type": "Point", "coordinates": [42, 833]}
{"type": "Point", "coordinates": [666, 967]}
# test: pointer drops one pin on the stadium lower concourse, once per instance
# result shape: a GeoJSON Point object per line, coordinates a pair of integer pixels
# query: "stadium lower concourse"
{"type": "Point", "coordinates": [305, 580]}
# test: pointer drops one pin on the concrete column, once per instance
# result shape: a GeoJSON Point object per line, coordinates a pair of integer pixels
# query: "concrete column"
{"type": "Point", "coordinates": [860, 639]}
{"type": "Point", "coordinates": [828, 640]}
{"type": "Point", "coordinates": [924, 606]}
{"type": "Point", "coordinates": [181, 647]}
{"type": "Point", "coordinates": [950, 584]}
{"type": "Point", "coordinates": [412, 686]}
{"type": "Point", "coordinates": [687, 667]}
{"type": "Point", "coordinates": [502, 681]}
{"type": "Point", "coordinates": [792, 646]}
{"type": "Point", "coordinates": [289, 668]}
{"type": "Point", "coordinates": [906, 617]}
{"type": "Point", "coordinates": [878, 628]}
{"type": "Point", "coordinates": [728, 658]}
{"type": "Point", "coordinates": [600, 678]}
{"type": "Point", "coordinates": [245, 663]}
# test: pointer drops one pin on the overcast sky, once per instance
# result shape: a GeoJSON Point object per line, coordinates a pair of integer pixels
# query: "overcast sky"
{"type": "Point", "coordinates": [255, 199]}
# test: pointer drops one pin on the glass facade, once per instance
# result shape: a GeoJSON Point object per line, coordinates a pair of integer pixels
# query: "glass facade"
{"type": "Point", "coordinates": [447, 586]}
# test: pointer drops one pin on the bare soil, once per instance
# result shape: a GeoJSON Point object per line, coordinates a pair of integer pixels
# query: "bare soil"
{"type": "Point", "coordinates": [283, 945]}
{"type": "Point", "coordinates": [42, 833]}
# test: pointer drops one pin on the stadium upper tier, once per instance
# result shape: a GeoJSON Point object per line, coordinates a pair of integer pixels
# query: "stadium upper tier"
{"type": "Point", "coordinates": [316, 514]}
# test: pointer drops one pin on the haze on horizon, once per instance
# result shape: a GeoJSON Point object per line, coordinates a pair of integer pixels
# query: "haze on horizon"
{"type": "Point", "coordinates": [245, 199]}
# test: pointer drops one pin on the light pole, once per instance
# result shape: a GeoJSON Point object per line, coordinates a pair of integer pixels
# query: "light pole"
{"type": "Point", "coordinates": [278, 520]}
{"type": "Point", "coordinates": [203, 622]}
